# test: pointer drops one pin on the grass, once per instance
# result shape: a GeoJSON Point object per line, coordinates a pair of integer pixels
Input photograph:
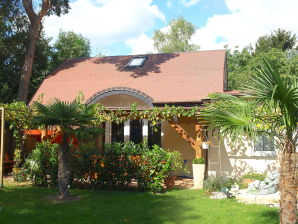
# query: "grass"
{"type": "Point", "coordinates": [27, 204]}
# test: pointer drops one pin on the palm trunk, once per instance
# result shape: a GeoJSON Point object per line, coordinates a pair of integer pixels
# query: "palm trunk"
{"type": "Point", "coordinates": [64, 169]}
{"type": "Point", "coordinates": [288, 184]}
{"type": "Point", "coordinates": [34, 32]}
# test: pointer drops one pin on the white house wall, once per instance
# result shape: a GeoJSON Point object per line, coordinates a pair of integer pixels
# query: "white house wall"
{"type": "Point", "coordinates": [238, 159]}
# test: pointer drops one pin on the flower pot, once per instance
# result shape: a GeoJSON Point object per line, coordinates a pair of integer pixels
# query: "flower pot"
{"type": "Point", "coordinates": [248, 181]}
{"type": "Point", "coordinates": [170, 182]}
{"type": "Point", "coordinates": [198, 175]}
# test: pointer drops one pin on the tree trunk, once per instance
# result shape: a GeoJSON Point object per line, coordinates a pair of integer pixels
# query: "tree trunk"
{"type": "Point", "coordinates": [288, 184]}
{"type": "Point", "coordinates": [64, 169]}
{"type": "Point", "coordinates": [34, 32]}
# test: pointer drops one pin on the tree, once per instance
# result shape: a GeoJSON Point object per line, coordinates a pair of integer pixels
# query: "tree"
{"type": "Point", "coordinates": [176, 38]}
{"type": "Point", "coordinates": [239, 66]}
{"type": "Point", "coordinates": [72, 118]}
{"type": "Point", "coordinates": [242, 65]}
{"type": "Point", "coordinates": [14, 25]}
{"type": "Point", "coordinates": [270, 107]}
{"type": "Point", "coordinates": [47, 7]}
{"type": "Point", "coordinates": [279, 39]}
{"type": "Point", "coordinates": [70, 45]}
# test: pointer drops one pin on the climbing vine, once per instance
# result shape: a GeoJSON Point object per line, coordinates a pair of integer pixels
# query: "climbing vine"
{"type": "Point", "coordinates": [18, 118]}
{"type": "Point", "coordinates": [154, 114]}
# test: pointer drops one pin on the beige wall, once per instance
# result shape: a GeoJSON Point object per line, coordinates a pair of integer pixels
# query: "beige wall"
{"type": "Point", "coordinates": [121, 100]}
{"type": "Point", "coordinates": [237, 159]}
{"type": "Point", "coordinates": [173, 141]}
{"type": "Point", "coordinates": [223, 157]}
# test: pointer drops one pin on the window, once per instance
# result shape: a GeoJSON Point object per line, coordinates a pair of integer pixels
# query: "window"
{"type": "Point", "coordinates": [264, 146]}
{"type": "Point", "coordinates": [117, 132]}
{"type": "Point", "coordinates": [136, 134]}
{"type": "Point", "coordinates": [136, 62]}
{"type": "Point", "coordinates": [154, 137]}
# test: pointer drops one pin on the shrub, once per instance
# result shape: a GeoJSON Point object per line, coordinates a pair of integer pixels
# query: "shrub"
{"type": "Point", "coordinates": [19, 174]}
{"type": "Point", "coordinates": [157, 165]}
{"type": "Point", "coordinates": [41, 166]}
{"type": "Point", "coordinates": [83, 165]}
{"type": "Point", "coordinates": [254, 176]}
{"type": "Point", "coordinates": [113, 169]}
{"type": "Point", "coordinates": [121, 163]}
{"type": "Point", "coordinates": [217, 183]}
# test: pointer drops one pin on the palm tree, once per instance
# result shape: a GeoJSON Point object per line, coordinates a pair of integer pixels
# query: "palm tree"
{"type": "Point", "coordinates": [268, 105]}
{"type": "Point", "coordinates": [71, 118]}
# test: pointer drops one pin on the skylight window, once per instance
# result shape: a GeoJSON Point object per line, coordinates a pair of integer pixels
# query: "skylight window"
{"type": "Point", "coordinates": [136, 62]}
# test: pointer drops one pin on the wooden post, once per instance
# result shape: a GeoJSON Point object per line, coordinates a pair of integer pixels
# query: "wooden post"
{"type": "Point", "coordinates": [2, 146]}
{"type": "Point", "coordinates": [199, 140]}
{"type": "Point", "coordinates": [196, 144]}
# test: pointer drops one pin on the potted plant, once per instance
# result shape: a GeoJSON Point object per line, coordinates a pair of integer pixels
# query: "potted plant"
{"type": "Point", "coordinates": [198, 168]}
{"type": "Point", "coordinates": [174, 164]}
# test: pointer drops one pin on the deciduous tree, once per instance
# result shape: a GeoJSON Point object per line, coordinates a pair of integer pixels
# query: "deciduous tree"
{"type": "Point", "coordinates": [70, 45]}
{"type": "Point", "coordinates": [36, 12]}
{"type": "Point", "coordinates": [279, 39]}
{"type": "Point", "coordinates": [176, 38]}
{"type": "Point", "coordinates": [14, 25]}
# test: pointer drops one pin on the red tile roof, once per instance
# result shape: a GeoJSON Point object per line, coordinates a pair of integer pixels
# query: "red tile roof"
{"type": "Point", "coordinates": [175, 77]}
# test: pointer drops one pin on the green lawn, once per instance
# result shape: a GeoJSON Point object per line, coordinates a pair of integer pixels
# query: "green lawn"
{"type": "Point", "coordinates": [27, 204]}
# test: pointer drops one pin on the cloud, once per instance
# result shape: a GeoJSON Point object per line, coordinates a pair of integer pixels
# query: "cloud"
{"type": "Point", "coordinates": [141, 44]}
{"type": "Point", "coordinates": [106, 22]}
{"type": "Point", "coordinates": [246, 22]}
{"type": "Point", "coordinates": [188, 3]}
{"type": "Point", "coordinates": [169, 4]}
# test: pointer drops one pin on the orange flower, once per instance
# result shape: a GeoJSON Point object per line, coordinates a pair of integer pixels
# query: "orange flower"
{"type": "Point", "coordinates": [102, 164]}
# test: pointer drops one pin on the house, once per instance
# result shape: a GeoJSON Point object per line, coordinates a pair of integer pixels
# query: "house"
{"type": "Point", "coordinates": [180, 79]}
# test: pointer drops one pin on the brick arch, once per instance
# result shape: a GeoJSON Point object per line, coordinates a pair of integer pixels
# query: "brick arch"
{"type": "Point", "coordinates": [120, 91]}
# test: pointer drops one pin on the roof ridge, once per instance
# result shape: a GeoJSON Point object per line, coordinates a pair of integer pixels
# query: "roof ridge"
{"type": "Point", "coordinates": [146, 54]}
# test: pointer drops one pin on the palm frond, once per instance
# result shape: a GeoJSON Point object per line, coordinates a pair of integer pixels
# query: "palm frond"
{"type": "Point", "coordinates": [63, 113]}
{"type": "Point", "coordinates": [231, 115]}
{"type": "Point", "coordinates": [269, 86]}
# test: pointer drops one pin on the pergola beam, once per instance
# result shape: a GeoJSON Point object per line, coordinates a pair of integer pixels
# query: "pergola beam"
{"type": "Point", "coordinates": [196, 144]}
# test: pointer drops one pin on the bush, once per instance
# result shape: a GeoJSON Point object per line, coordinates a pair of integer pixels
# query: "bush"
{"type": "Point", "coordinates": [254, 176]}
{"type": "Point", "coordinates": [251, 176]}
{"type": "Point", "coordinates": [121, 163]}
{"type": "Point", "coordinates": [113, 169]}
{"type": "Point", "coordinates": [41, 166]}
{"type": "Point", "coordinates": [84, 165]}
{"type": "Point", "coordinates": [217, 183]}
{"type": "Point", "coordinates": [19, 174]}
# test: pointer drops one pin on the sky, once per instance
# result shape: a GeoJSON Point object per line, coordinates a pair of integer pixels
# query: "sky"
{"type": "Point", "coordinates": [123, 27]}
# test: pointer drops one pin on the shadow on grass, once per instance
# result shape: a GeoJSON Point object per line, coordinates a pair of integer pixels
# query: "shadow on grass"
{"type": "Point", "coordinates": [24, 204]}
{"type": "Point", "coordinates": [268, 216]}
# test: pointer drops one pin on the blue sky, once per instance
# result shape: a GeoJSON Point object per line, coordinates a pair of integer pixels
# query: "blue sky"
{"type": "Point", "coordinates": [121, 27]}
